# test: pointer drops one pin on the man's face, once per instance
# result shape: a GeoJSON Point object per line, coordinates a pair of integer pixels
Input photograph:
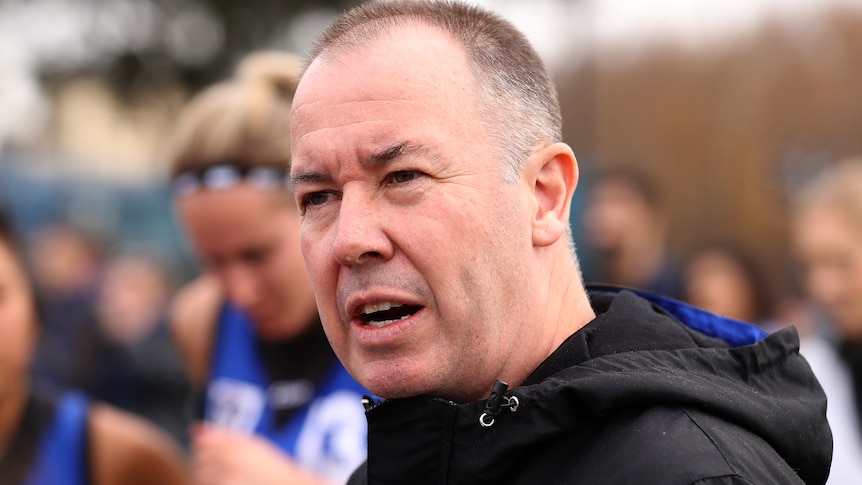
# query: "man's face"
{"type": "Point", "coordinates": [416, 246]}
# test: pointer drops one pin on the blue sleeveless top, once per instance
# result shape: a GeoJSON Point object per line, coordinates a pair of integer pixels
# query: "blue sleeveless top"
{"type": "Point", "coordinates": [62, 454]}
{"type": "Point", "coordinates": [326, 435]}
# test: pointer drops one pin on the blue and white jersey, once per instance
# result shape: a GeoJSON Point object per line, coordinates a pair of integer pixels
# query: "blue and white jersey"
{"type": "Point", "coordinates": [327, 434]}
{"type": "Point", "coordinates": [62, 453]}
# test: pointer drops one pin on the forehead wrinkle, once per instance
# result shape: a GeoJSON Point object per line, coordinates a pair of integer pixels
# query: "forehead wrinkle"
{"type": "Point", "coordinates": [399, 96]}
{"type": "Point", "coordinates": [312, 126]}
{"type": "Point", "coordinates": [376, 160]}
{"type": "Point", "coordinates": [309, 176]}
{"type": "Point", "coordinates": [323, 106]}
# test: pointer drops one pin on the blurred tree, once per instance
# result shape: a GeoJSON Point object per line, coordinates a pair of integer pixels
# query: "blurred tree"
{"type": "Point", "coordinates": [727, 130]}
{"type": "Point", "coordinates": [141, 43]}
{"type": "Point", "coordinates": [247, 25]}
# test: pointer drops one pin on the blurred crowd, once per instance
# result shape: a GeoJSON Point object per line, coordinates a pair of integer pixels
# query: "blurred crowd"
{"type": "Point", "coordinates": [104, 327]}
{"type": "Point", "coordinates": [626, 233]}
{"type": "Point", "coordinates": [103, 309]}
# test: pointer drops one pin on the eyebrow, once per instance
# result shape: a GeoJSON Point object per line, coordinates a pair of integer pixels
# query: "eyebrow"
{"type": "Point", "coordinates": [378, 158]}
{"type": "Point", "coordinates": [402, 149]}
{"type": "Point", "coordinates": [390, 153]}
{"type": "Point", "coordinates": [307, 178]}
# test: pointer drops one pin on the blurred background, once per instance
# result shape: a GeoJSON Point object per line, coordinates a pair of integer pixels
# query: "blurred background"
{"type": "Point", "coordinates": [727, 105]}
{"type": "Point", "coordinates": [724, 108]}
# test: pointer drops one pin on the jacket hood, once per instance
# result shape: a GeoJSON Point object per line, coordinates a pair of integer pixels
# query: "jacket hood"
{"type": "Point", "coordinates": [634, 355]}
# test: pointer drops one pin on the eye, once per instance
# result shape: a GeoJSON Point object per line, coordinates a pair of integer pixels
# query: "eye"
{"type": "Point", "coordinates": [317, 198]}
{"type": "Point", "coordinates": [403, 176]}
{"type": "Point", "coordinates": [254, 256]}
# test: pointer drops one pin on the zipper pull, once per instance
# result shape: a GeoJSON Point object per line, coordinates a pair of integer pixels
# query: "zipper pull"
{"type": "Point", "coordinates": [369, 403]}
{"type": "Point", "coordinates": [496, 401]}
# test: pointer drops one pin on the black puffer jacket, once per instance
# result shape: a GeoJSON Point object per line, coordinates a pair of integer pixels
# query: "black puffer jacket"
{"type": "Point", "coordinates": [634, 397]}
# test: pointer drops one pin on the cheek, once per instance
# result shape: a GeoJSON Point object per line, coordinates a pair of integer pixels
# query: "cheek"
{"type": "Point", "coordinates": [17, 335]}
{"type": "Point", "coordinates": [487, 262]}
{"type": "Point", "coordinates": [823, 284]}
{"type": "Point", "coordinates": [854, 284]}
{"type": "Point", "coordinates": [317, 258]}
{"type": "Point", "coordinates": [294, 259]}
{"type": "Point", "coordinates": [322, 271]}
{"type": "Point", "coordinates": [191, 224]}
{"type": "Point", "coordinates": [279, 275]}
{"type": "Point", "coordinates": [292, 276]}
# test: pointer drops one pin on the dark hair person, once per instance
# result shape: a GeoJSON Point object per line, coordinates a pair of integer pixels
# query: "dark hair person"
{"type": "Point", "coordinates": [723, 278]}
{"type": "Point", "coordinates": [48, 439]}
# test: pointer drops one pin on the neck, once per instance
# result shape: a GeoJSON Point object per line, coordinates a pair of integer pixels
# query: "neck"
{"type": "Point", "coordinates": [13, 398]}
{"type": "Point", "coordinates": [568, 309]}
{"type": "Point", "coordinates": [561, 308]}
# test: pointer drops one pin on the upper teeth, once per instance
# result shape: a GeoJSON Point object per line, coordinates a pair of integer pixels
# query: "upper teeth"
{"type": "Point", "coordinates": [379, 307]}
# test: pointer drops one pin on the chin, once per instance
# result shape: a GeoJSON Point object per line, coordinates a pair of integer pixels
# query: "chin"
{"type": "Point", "coordinates": [397, 392]}
{"type": "Point", "coordinates": [385, 384]}
{"type": "Point", "coordinates": [379, 378]}
{"type": "Point", "coordinates": [273, 330]}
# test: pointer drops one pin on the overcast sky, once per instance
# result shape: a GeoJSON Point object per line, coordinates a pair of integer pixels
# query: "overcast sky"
{"type": "Point", "coordinates": [557, 27]}
{"type": "Point", "coordinates": [39, 33]}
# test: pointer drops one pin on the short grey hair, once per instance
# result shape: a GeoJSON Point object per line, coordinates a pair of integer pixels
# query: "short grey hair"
{"type": "Point", "coordinates": [517, 98]}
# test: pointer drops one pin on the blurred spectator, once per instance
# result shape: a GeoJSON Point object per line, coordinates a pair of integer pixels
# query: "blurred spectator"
{"type": "Point", "coordinates": [827, 237]}
{"type": "Point", "coordinates": [48, 439]}
{"type": "Point", "coordinates": [137, 366]}
{"type": "Point", "coordinates": [724, 279]}
{"type": "Point", "coordinates": [132, 297]}
{"type": "Point", "coordinates": [278, 405]}
{"type": "Point", "coordinates": [105, 331]}
{"type": "Point", "coordinates": [66, 263]}
{"type": "Point", "coordinates": [626, 230]}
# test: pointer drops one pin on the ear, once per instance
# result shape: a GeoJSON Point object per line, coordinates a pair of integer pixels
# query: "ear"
{"type": "Point", "coordinates": [556, 175]}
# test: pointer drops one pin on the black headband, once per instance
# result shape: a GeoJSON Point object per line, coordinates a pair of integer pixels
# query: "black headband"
{"type": "Point", "coordinates": [224, 176]}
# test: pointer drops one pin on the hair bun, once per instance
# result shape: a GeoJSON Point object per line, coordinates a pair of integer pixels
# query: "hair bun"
{"type": "Point", "coordinates": [278, 69]}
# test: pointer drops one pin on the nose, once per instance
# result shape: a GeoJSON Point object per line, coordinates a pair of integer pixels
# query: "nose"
{"type": "Point", "coordinates": [360, 237]}
{"type": "Point", "coordinates": [240, 285]}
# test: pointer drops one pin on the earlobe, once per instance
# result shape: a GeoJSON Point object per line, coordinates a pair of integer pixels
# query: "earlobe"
{"type": "Point", "coordinates": [556, 175]}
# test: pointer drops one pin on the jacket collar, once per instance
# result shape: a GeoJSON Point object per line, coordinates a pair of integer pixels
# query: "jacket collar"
{"type": "Point", "coordinates": [633, 352]}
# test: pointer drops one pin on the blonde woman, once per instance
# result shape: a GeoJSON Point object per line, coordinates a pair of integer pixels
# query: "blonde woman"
{"type": "Point", "coordinates": [278, 407]}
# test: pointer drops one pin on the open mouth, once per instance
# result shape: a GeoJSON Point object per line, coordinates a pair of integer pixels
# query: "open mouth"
{"type": "Point", "coordinates": [379, 315]}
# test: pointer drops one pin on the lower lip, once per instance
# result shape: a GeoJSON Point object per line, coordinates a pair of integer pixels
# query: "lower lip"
{"type": "Point", "coordinates": [368, 336]}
